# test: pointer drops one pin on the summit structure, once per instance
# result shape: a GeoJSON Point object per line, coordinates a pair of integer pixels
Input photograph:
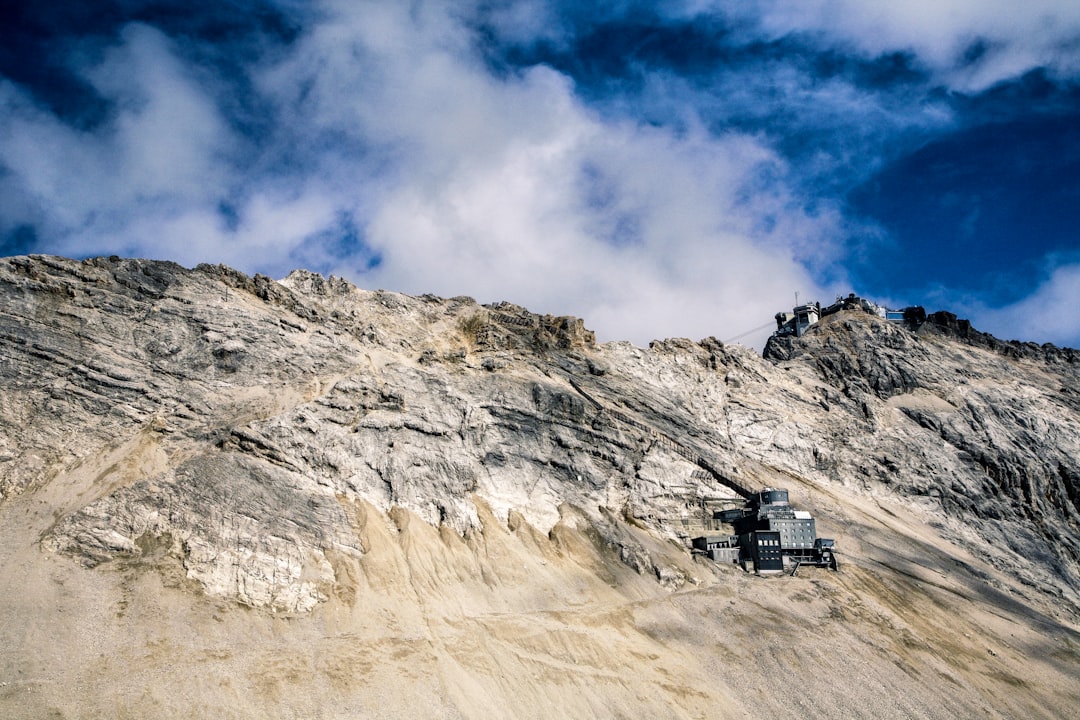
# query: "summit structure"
{"type": "Point", "coordinates": [803, 317]}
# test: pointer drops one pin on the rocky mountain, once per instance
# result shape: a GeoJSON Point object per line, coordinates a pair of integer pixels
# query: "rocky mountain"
{"type": "Point", "coordinates": [230, 496]}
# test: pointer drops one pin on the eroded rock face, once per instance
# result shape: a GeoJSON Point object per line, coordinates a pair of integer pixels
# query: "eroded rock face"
{"type": "Point", "coordinates": [988, 429]}
{"type": "Point", "coordinates": [236, 422]}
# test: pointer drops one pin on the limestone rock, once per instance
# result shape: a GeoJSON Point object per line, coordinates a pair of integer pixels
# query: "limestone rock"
{"type": "Point", "coordinates": [306, 448]}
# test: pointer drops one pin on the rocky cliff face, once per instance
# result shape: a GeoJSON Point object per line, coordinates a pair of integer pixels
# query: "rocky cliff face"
{"type": "Point", "coordinates": [479, 511]}
{"type": "Point", "coordinates": [988, 430]}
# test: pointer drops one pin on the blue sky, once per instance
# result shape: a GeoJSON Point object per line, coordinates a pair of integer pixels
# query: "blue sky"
{"type": "Point", "coordinates": [658, 168]}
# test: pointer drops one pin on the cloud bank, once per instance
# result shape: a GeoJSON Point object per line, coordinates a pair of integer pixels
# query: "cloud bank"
{"type": "Point", "coordinates": [665, 169]}
{"type": "Point", "coordinates": [969, 45]}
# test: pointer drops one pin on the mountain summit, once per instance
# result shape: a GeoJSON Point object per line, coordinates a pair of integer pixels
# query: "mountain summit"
{"type": "Point", "coordinates": [230, 496]}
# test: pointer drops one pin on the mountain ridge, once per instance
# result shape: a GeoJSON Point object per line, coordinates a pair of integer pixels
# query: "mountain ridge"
{"type": "Point", "coordinates": [297, 455]}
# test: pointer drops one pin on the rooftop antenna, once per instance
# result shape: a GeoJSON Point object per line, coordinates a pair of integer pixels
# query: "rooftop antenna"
{"type": "Point", "coordinates": [798, 333]}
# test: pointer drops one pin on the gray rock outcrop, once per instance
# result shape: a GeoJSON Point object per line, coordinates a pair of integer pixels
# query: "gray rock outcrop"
{"type": "Point", "coordinates": [248, 436]}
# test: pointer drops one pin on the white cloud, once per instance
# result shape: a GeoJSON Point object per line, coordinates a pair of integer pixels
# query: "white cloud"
{"type": "Point", "coordinates": [1050, 314]}
{"type": "Point", "coordinates": [165, 147]}
{"type": "Point", "coordinates": [271, 228]}
{"type": "Point", "coordinates": [168, 138]}
{"type": "Point", "coordinates": [509, 188]}
{"type": "Point", "coordinates": [462, 182]}
{"type": "Point", "coordinates": [150, 181]}
{"type": "Point", "coordinates": [525, 21]}
{"type": "Point", "coordinates": [44, 160]}
{"type": "Point", "coordinates": [1016, 37]}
